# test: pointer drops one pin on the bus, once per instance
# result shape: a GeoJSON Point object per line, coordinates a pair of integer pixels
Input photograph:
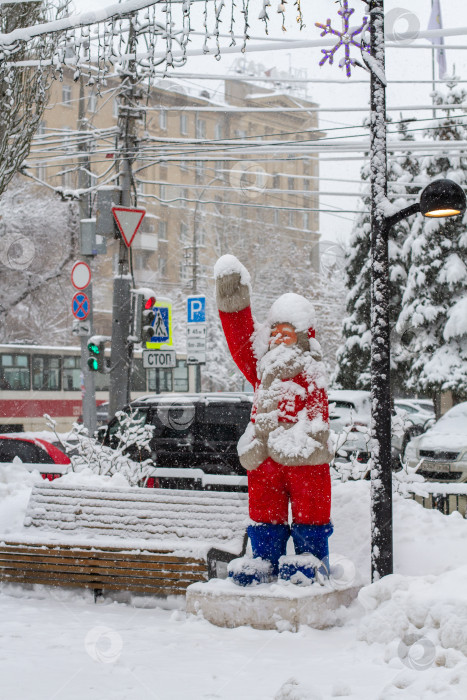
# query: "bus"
{"type": "Point", "coordinates": [39, 379]}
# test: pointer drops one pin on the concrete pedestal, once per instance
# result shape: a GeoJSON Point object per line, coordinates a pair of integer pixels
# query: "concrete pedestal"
{"type": "Point", "coordinates": [274, 606]}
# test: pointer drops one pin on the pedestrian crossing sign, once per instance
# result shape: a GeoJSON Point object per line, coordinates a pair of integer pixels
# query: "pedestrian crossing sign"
{"type": "Point", "coordinates": [162, 325]}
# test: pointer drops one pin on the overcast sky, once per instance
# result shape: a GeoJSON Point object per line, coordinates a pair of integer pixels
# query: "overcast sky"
{"type": "Point", "coordinates": [401, 64]}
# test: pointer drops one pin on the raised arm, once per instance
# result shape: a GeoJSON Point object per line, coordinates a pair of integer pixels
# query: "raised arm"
{"type": "Point", "coordinates": [233, 302]}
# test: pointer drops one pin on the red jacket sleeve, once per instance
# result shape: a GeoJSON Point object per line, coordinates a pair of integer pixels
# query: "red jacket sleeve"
{"type": "Point", "coordinates": [238, 328]}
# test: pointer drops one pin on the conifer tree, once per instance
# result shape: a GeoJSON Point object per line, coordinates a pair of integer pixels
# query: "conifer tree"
{"type": "Point", "coordinates": [435, 300]}
{"type": "Point", "coordinates": [353, 356]}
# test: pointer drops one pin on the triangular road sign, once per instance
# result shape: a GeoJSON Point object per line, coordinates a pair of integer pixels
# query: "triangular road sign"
{"type": "Point", "coordinates": [128, 222]}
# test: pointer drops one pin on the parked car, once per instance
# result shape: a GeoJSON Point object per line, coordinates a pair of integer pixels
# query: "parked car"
{"type": "Point", "coordinates": [191, 430]}
{"type": "Point", "coordinates": [349, 408]}
{"type": "Point", "coordinates": [442, 450]}
{"type": "Point", "coordinates": [35, 454]}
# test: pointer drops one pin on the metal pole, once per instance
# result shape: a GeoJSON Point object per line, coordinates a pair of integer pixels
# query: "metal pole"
{"type": "Point", "coordinates": [121, 350]}
{"type": "Point", "coordinates": [381, 474]}
{"type": "Point", "coordinates": [89, 397]}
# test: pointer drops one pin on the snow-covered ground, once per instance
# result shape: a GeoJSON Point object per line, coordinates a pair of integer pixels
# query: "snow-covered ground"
{"type": "Point", "coordinates": [406, 636]}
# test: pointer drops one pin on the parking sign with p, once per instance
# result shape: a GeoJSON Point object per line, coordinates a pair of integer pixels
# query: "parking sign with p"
{"type": "Point", "coordinates": [196, 309]}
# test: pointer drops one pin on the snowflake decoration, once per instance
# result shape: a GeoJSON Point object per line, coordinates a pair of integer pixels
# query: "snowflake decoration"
{"type": "Point", "coordinates": [346, 38]}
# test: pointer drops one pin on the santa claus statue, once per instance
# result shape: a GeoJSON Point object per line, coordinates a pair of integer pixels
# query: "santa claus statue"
{"type": "Point", "coordinates": [285, 448]}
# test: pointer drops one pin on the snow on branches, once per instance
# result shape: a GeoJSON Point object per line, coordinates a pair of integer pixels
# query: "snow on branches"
{"type": "Point", "coordinates": [131, 436]}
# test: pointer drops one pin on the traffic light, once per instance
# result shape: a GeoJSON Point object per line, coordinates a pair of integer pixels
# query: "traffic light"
{"type": "Point", "coordinates": [147, 319]}
{"type": "Point", "coordinates": [96, 359]}
{"type": "Point", "coordinates": [143, 315]}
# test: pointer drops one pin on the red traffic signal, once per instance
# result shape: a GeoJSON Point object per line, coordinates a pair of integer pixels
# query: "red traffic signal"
{"type": "Point", "coordinates": [150, 302]}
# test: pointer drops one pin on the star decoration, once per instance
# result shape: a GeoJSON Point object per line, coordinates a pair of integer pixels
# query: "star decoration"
{"type": "Point", "coordinates": [346, 38]}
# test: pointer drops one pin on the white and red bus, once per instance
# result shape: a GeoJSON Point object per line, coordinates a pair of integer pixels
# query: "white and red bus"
{"type": "Point", "coordinates": [38, 379]}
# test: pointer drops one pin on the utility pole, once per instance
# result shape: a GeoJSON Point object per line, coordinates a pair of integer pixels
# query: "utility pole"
{"type": "Point", "coordinates": [122, 348]}
{"type": "Point", "coordinates": [381, 472]}
{"type": "Point", "coordinates": [89, 396]}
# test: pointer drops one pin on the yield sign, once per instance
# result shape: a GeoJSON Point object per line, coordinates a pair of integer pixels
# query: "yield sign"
{"type": "Point", "coordinates": [128, 222]}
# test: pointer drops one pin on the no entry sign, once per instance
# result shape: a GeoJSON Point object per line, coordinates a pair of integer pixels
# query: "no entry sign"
{"type": "Point", "coordinates": [80, 306]}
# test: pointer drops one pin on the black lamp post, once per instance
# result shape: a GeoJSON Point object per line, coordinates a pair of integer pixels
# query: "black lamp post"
{"type": "Point", "coordinates": [441, 198]}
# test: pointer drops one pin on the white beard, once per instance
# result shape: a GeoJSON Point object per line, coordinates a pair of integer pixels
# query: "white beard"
{"type": "Point", "coordinates": [281, 362]}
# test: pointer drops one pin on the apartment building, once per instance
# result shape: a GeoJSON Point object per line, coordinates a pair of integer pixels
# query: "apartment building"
{"type": "Point", "coordinates": [215, 172]}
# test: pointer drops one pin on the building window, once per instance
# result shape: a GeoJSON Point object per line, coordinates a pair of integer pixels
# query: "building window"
{"type": "Point", "coordinates": [162, 230]}
{"type": "Point", "coordinates": [305, 221]}
{"type": "Point", "coordinates": [291, 218]}
{"type": "Point", "coordinates": [199, 170]}
{"type": "Point", "coordinates": [219, 131]}
{"type": "Point", "coordinates": [115, 110]}
{"type": "Point", "coordinates": [276, 182]}
{"type": "Point", "coordinates": [46, 373]}
{"type": "Point", "coordinates": [277, 219]}
{"type": "Point", "coordinates": [162, 194]}
{"type": "Point", "coordinates": [240, 133]}
{"type": "Point", "coordinates": [164, 173]}
{"type": "Point", "coordinates": [163, 118]}
{"type": "Point", "coordinates": [200, 128]}
{"type": "Point", "coordinates": [66, 95]}
{"type": "Point", "coordinates": [307, 185]}
{"type": "Point", "coordinates": [180, 376]}
{"type": "Point", "coordinates": [92, 102]}
{"type": "Point", "coordinates": [162, 264]}
{"type": "Point", "coordinates": [183, 124]}
{"type": "Point", "coordinates": [71, 373]}
{"type": "Point", "coordinates": [14, 372]}
{"type": "Point", "coordinates": [183, 231]}
{"type": "Point", "coordinates": [291, 183]}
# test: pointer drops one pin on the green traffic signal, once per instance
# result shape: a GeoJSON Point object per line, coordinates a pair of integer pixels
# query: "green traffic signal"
{"type": "Point", "coordinates": [95, 349]}
{"type": "Point", "coordinates": [96, 360]}
{"type": "Point", "coordinates": [93, 364]}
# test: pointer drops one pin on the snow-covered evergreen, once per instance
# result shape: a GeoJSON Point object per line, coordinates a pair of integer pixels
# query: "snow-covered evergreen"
{"type": "Point", "coordinates": [353, 356]}
{"type": "Point", "coordinates": [436, 292]}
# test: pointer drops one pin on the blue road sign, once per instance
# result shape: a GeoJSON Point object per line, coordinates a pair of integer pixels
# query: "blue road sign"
{"type": "Point", "coordinates": [161, 325]}
{"type": "Point", "coordinates": [196, 309]}
{"type": "Point", "coordinates": [80, 306]}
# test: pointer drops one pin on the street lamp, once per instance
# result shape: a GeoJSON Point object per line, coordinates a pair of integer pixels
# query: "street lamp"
{"type": "Point", "coordinates": [441, 198]}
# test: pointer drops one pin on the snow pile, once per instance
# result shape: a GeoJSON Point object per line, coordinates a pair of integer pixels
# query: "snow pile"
{"type": "Point", "coordinates": [229, 264]}
{"type": "Point", "coordinates": [428, 611]}
{"type": "Point", "coordinates": [89, 479]}
{"type": "Point", "coordinates": [292, 689]}
{"type": "Point", "coordinates": [295, 309]}
{"type": "Point", "coordinates": [16, 483]}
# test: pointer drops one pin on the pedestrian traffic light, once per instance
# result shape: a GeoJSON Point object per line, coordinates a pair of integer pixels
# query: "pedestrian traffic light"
{"type": "Point", "coordinates": [147, 319]}
{"type": "Point", "coordinates": [96, 359]}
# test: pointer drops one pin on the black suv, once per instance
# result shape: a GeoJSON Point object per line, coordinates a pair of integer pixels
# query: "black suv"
{"type": "Point", "coordinates": [192, 430]}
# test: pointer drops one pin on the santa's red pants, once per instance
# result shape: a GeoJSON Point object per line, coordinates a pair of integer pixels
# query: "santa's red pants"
{"type": "Point", "coordinates": [271, 486]}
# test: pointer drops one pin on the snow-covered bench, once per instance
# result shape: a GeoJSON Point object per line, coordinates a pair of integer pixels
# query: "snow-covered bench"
{"type": "Point", "coordinates": [155, 541]}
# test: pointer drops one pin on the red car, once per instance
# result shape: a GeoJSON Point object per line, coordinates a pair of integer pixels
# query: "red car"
{"type": "Point", "coordinates": [37, 452]}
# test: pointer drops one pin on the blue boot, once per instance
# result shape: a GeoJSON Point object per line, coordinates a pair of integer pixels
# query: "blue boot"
{"type": "Point", "coordinates": [268, 543]}
{"type": "Point", "coordinates": [308, 540]}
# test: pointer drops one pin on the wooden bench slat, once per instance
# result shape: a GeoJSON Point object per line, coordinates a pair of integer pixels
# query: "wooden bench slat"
{"type": "Point", "coordinates": [102, 553]}
{"type": "Point", "coordinates": [185, 575]}
{"type": "Point", "coordinates": [156, 589]}
{"type": "Point", "coordinates": [132, 562]}
{"type": "Point", "coordinates": [96, 581]}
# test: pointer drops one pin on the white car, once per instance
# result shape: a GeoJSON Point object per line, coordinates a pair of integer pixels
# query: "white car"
{"type": "Point", "coordinates": [442, 450]}
{"type": "Point", "coordinates": [352, 409]}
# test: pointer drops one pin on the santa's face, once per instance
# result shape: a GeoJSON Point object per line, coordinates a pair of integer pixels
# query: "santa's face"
{"type": "Point", "coordinates": [282, 334]}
